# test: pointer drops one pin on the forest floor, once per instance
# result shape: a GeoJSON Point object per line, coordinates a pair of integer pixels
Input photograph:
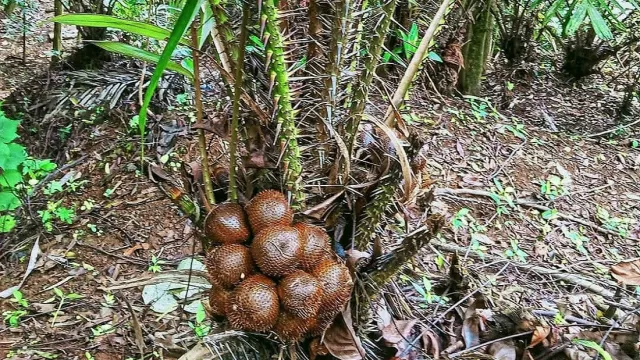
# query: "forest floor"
{"type": "Point", "coordinates": [574, 212]}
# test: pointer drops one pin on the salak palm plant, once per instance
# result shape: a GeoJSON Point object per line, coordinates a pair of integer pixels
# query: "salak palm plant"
{"type": "Point", "coordinates": [313, 70]}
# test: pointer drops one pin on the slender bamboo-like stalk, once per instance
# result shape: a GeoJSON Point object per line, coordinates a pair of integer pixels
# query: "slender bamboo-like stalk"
{"type": "Point", "coordinates": [356, 49]}
{"type": "Point", "coordinates": [414, 65]}
{"type": "Point", "coordinates": [336, 55]}
{"type": "Point", "coordinates": [384, 14]}
{"type": "Point", "coordinates": [57, 33]}
{"type": "Point", "coordinates": [233, 143]}
{"type": "Point", "coordinates": [282, 99]}
{"type": "Point", "coordinates": [202, 141]}
{"type": "Point", "coordinates": [223, 28]}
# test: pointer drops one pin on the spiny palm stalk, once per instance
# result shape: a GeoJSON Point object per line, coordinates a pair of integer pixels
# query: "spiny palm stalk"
{"type": "Point", "coordinates": [278, 73]}
{"type": "Point", "coordinates": [383, 14]}
{"type": "Point", "coordinates": [375, 211]}
{"type": "Point", "coordinates": [225, 31]}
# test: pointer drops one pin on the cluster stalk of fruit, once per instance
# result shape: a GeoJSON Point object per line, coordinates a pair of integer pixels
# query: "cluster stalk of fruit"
{"type": "Point", "coordinates": [269, 274]}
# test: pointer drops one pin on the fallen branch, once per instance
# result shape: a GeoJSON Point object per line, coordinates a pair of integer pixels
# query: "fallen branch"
{"type": "Point", "coordinates": [557, 274]}
{"type": "Point", "coordinates": [527, 203]}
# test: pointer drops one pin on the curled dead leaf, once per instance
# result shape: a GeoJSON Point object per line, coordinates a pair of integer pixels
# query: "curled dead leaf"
{"type": "Point", "coordinates": [539, 334]}
{"type": "Point", "coordinates": [627, 272]}
{"type": "Point", "coordinates": [356, 259]}
{"type": "Point", "coordinates": [341, 340]}
{"type": "Point", "coordinates": [431, 343]}
{"type": "Point", "coordinates": [502, 350]}
{"type": "Point", "coordinates": [397, 334]}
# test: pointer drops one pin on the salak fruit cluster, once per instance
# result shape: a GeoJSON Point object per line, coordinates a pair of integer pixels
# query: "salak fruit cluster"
{"type": "Point", "coordinates": [269, 274]}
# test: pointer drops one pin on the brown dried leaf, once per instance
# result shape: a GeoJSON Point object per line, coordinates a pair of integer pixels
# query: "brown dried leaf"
{"type": "Point", "coordinates": [431, 343]}
{"type": "Point", "coordinates": [539, 334]}
{"type": "Point", "coordinates": [138, 246]}
{"type": "Point", "coordinates": [397, 334]}
{"type": "Point", "coordinates": [502, 350]}
{"type": "Point", "coordinates": [341, 339]}
{"type": "Point", "coordinates": [318, 212]}
{"type": "Point", "coordinates": [627, 272]}
{"type": "Point", "coordinates": [356, 259]}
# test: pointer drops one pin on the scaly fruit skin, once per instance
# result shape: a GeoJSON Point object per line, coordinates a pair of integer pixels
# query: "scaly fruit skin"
{"type": "Point", "coordinates": [253, 305]}
{"type": "Point", "coordinates": [276, 250]}
{"type": "Point", "coordinates": [336, 284]}
{"type": "Point", "coordinates": [321, 323]}
{"type": "Point", "coordinates": [300, 294]}
{"type": "Point", "coordinates": [227, 224]}
{"type": "Point", "coordinates": [290, 327]}
{"type": "Point", "coordinates": [218, 300]}
{"type": "Point", "coordinates": [268, 208]}
{"type": "Point", "coordinates": [229, 264]}
{"type": "Point", "coordinates": [316, 245]}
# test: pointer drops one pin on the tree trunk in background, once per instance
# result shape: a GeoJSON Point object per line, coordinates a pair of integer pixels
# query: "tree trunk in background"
{"type": "Point", "coordinates": [57, 33]}
{"type": "Point", "coordinates": [476, 50]}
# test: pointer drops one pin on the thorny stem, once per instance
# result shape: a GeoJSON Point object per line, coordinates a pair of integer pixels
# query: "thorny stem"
{"type": "Point", "coordinates": [363, 83]}
{"type": "Point", "coordinates": [282, 101]}
{"type": "Point", "coordinates": [233, 143]}
{"type": "Point", "coordinates": [202, 141]}
{"type": "Point", "coordinates": [226, 33]}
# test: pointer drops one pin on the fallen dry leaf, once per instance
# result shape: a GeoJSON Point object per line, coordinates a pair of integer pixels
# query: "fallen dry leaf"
{"type": "Point", "coordinates": [627, 272]}
{"type": "Point", "coordinates": [539, 334]}
{"type": "Point", "coordinates": [431, 344]}
{"type": "Point", "coordinates": [356, 259]}
{"type": "Point", "coordinates": [397, 334]}
{"type": "Point", "coordinates": [502, 350]}
{"type": "Point", "coordinates": [341, 340]}
{"type": "Point", "coordinates": [138, 246]}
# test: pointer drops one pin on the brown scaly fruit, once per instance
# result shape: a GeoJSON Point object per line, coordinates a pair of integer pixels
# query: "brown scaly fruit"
{"type": "Point", "coordinates": [217, 300]}
{"type": "Point", "coordinates": [267, 209]}
{"type": "Point", "coordinates": [227, 224]}
{"type": "Point", "coordinates": [229, 264]}
{"type": "Point", "coordinates": [290, 327]}
{"type": "Point", "coordinates": [316, 245]}
{"type": "Point", "coordinates": [317, 326]}
{"type": "Point", "coordinates": [300, 294]}
{"type": "Point", "coordinates": [276, 250]}
{"type": "Point", "coordinates": [253, 305]}
{"type": "Point", "coordinates": [336, 284]}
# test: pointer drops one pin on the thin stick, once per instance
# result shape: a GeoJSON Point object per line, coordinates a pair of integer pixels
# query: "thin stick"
{"type": "Point", "coordinates": [202, 141]}
{"type": "Point", "coordinates": [233, 143]}
{"type": "Point", "coordinates": [459, 353]}
{"type": "Point", "coordinates": [414, 65]}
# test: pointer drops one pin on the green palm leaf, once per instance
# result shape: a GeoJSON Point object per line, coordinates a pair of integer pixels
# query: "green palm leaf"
{"type": "Point", "coordinates": [132, 51]}
{"type": "Point", "coordinates": [106, 21]}
{"type": "Point", "coordinates": [188, 13]}
{"type": "Point", "coordinates": [599, 24]}
{"type": "Point", "coordinates": [577, 17]}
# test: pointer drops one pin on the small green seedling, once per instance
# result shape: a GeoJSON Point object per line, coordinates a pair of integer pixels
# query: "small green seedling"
{"type": "Point", "coordinates": [516, 252]}
{"type": "Point", "coordinates": [199, 327]}
{"type": "Point", "coordinates": [155, 267]}
{"type": "Point", "coordinates": [63, 297]}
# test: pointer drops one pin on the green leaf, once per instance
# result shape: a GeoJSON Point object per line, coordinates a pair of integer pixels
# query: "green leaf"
{"type": "Point", "coordinates": [435, 57]}
{"type": "Point", "coordinates": [9, 201]}
{"type": "Point", "coordinates": [8, 129]}
{"type": "Point", "coordinates": [551, 12]}
{"type": "Point", "coordinates": [58, 292]}
{"type": "Point", "coordinates": [593, 345]}
{"type": "Point", "coordinates": [599, 25]}
{"type": "Point", "coordinates": [74, 296]}
{"type": "Point", "coordinates": [207, 21]}
{"type": "Point", "coordinates": [577, 17]}
{"type": "Point", "coordinates": [106, 21]}
{"type": "Point", "coordinates": [16, 156]}
{"type": "Point", "coordinates": [189, 11]}
{"type": "Point", "coordinates": [10, 178]}
{"type": "Point", "coordinates": [7, 223]}
{"type": "Point", "coordinates": [132, 51]}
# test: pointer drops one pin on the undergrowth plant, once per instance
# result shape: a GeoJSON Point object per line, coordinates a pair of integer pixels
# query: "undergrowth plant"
{"type": "Point", "coordinates": [18, 172]}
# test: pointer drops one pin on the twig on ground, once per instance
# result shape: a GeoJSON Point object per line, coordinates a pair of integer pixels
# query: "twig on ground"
{"type": "Point", "coordinates": [613, 129]}
{"type": "Point", "coordinates": [462, 352]}
{"type": "Point", "coordinates": [571, 278]}
{"type": "Point", "coordinates": [513, 153]}
{"type": "Point", "coordinates": [527, 203]}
